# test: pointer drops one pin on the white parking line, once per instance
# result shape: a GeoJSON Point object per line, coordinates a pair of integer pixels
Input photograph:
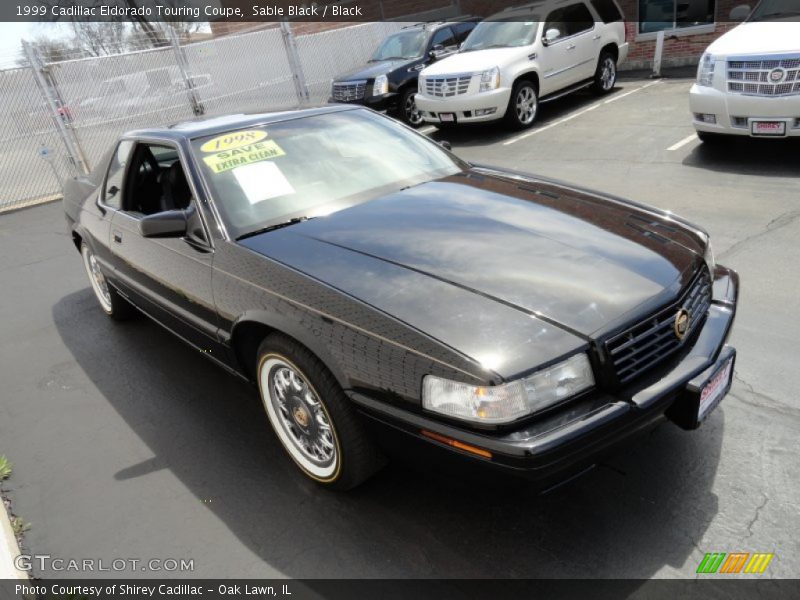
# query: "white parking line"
{"type": "Point", "coordinates": [575, 114]}
{"type": "Point", "coordinates": [682, 143]}
{"type": "Point", "coordinates": [639, 89]}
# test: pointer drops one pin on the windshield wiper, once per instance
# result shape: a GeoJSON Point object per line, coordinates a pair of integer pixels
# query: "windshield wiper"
{"type": "Point", "coordinates": [292, 221]}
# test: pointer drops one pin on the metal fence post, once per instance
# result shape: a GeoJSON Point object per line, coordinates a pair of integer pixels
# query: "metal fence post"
{"type": "Point", "coordinates": [183, 66]}
{"type": "Point", "coordinates": [46, 87]}
{"type": "Point", "coordinates": [294, 64]}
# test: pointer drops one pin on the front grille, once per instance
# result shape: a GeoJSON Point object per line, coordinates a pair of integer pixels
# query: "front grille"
{"type": "Point", "coordinates": [765, 76]}
{"type": "Point", "coordinates": [650, 341]}
{"type": "Point", "coordinates": [445, 87]}
{"type": "Point", "coordinates": [348, 91]}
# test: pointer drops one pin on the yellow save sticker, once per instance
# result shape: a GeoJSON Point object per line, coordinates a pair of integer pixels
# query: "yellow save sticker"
{"type": "Point", "coordinates": [245, 155]}
{"type": "Point", "coordinates": [233, 140]}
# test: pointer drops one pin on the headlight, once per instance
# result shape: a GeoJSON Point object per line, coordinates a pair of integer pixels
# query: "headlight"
{"type": "Point", "coordinates": [490, 80]}
{"type": "Point", "coordinates": [709, 258]}
{"type": "Point", "coordinates": [705, 70]}
{"type": "Point", "coordinates": [508, 402]}
{"type": "Point", "coordinates": [381, 85]}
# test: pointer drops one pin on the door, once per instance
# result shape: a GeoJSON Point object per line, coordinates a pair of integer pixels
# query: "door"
{"type": "Point", "coordinates": [443, 43]}
{"type": "Point", "coordinates": [568, 58]}
{"type": "Point", "coordinates": [169, 277]}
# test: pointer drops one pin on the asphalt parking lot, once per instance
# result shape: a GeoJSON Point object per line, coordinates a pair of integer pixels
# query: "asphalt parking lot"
{"type": "Point", "coordinates": [127, 444]}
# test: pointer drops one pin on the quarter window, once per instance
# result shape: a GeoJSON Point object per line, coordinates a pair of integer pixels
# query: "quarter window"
{"type": "Point", "coordinates": [112, 189]}
{"type": "Point", "coordinates": [659, 15]}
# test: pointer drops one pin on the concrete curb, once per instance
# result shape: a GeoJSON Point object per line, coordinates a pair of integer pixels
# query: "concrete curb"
{"type": "Point", "coordinates": [9, 550]}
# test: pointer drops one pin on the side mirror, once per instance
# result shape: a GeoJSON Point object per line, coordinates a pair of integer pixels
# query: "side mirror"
{"type": "Point", "coordinates": [435, 51]}
{"type": "Point", "coordinates": [169, 223]}
{"type": "Point", "coordinates": [551, 35]}
{"type": "Point", "coordinates": [446, 145]}
{"type": "Point", "coordinates": [740, 13]}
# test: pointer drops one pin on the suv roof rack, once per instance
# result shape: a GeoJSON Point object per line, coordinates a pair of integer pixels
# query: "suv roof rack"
{"type": "Point", "coordinates": [426, 24]}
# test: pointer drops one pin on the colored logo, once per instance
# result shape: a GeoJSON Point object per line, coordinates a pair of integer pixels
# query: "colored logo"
{"type": "Point", "coordinates": [682, 320]}
{"type": "Point", "coordinates": [735, 562]}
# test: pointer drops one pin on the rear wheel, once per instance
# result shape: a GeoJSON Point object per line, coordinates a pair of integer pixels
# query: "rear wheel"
{"type": "Point", "coordinates": [114, 305]}
{"type": "Point", "coordinates": [408, 108]}
{"type": "Point", "coordinates": [523, 105]}
{"type": "Point", "coordinates": [311, 416]}
{"type": "Point", "coordinates": [605, 77]}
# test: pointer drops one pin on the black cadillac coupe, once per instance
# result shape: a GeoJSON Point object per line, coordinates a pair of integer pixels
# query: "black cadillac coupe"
{"type": "Point", "coordinates": [366, 279]}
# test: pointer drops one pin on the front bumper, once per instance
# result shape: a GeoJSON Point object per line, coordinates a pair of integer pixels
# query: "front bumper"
{"type": "Point", "coordinates": [464, 107]}
{"type": "Point", "coordinates": [383, 103]}
{"type": "Point", "coordinates": [735, 112]}
{"type": "Point", "coordinates": [573, 439]}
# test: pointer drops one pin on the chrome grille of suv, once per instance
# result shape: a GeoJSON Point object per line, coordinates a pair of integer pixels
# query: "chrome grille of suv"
{"type": "Point", "coordinates": [753, 76]}
{"type": "Point", "coordinates": [650, 341]}
{"type": "Point", "coordinates": [347, 91]}
{"type": "Point", "coordinates": [445, 87]}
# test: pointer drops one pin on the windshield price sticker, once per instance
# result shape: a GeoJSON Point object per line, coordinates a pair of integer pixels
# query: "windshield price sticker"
{"type": "Point", "coordinates": [244, 155]}
{"type": "Point", "coordinates": [229, 141]}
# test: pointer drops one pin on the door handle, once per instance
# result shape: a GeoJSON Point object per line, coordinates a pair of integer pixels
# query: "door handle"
{"type": "Point", "coordinates": [117, 237]}
{"type": "Point", "coordinates": [571, 47]}
{"type": "Point", "coordinates": [597, 37]}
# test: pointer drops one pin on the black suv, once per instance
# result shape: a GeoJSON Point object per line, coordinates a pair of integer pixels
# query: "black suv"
{"type": "Point", "coordinates": [388, 81]}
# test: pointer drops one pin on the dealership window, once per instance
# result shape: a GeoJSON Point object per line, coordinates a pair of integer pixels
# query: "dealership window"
{"type": "Point", "coordinates": [659, 15]}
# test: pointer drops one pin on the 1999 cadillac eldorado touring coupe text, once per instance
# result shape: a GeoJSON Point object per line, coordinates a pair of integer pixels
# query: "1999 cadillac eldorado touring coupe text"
{"type": "Point", "coordinates": [365, 277]}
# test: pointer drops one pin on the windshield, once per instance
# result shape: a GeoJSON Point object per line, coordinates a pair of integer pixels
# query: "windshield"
{"type": "Point", "coordinates": [406, 44]}
{"type": "Point", "coordinates": [266, 175]}
{"type": "Point", "coordinates": [776, 9]}
{"type": "Point", "coordinates": [500, 34]}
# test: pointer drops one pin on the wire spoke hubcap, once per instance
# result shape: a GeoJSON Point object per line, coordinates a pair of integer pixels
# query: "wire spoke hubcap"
{"type": "Point", "coordinates": [97, 279]}
{"type": "Point", "coordinates": [526, 105]}
{"type": "Point", "coordinates": [301, 415]}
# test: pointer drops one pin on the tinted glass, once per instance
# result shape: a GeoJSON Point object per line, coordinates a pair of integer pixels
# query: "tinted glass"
{"type": "Point", "coordinates": [462, 30]}
{"type": "Point", "coordinates": [112, 191]}
{"type": "Point", "coordinates": [444, 37]}
{"type": "Point", "coordinates": [578, 18]}
{"type": "Point", "coordinates": [608, 11]}
{"type": "Point", "coordinates": [314, 166]}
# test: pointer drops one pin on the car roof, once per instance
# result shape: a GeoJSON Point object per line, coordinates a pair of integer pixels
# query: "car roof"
{"type": "Point", "coordinates": [210, 125]}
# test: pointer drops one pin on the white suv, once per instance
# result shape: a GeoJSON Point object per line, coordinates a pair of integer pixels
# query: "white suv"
{"type": "Point", "coordinates": [516, 59]}
{"type": "Point", "coordinates": [748, 81]}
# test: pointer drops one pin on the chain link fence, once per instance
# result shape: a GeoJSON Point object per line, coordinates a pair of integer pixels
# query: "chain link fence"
{"type": "Point", "coordinates": [57, 119]}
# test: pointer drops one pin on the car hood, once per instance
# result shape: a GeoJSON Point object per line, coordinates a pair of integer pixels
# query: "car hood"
{"type": "Point", "coordinates": [502, 271]}
{"type": "Point", "coordinates": [372, 70]}
{"type": "Point", "coordinates": [758, 38]}
{"type": "Point", "coordinates": [473, 61]}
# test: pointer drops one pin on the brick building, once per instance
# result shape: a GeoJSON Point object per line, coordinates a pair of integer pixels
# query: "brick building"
{"type": "Point", "coordinates": [689, 25]}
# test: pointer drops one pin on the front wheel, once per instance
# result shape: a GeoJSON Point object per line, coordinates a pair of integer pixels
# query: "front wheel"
{"type": "Point", "coordinates": [408, 108]}
{"type": "Point", "coordinates": [522, 106]}
{"type": "Point", "coordinates": [605, 76]}
{"type": "Point", "coordinates": [114, 305]}
{"type": "Point", "coordinates": [313, 419]}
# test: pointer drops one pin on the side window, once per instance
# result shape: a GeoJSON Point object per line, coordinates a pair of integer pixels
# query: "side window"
{"type": "Point", "coordinates": [157, 181]}
{"type": "Point", "coordinates": [112, 188]}
{"type": "Point", "coordinates": [462, 30]}
{"type": "Point", "coordinates": [570, 20]}
{"type": "Point", "coordinates": [556, 20]}
{"type": "Point", "coordinates": [444, 37]}
{"type": "Point", "coordinates": [608, 10]}
{"type": "Point", "coordinates": [578, 18]}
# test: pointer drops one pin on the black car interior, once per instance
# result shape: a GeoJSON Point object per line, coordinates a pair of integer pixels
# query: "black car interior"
{"type": "Point", "coordinates": [156, 181]}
